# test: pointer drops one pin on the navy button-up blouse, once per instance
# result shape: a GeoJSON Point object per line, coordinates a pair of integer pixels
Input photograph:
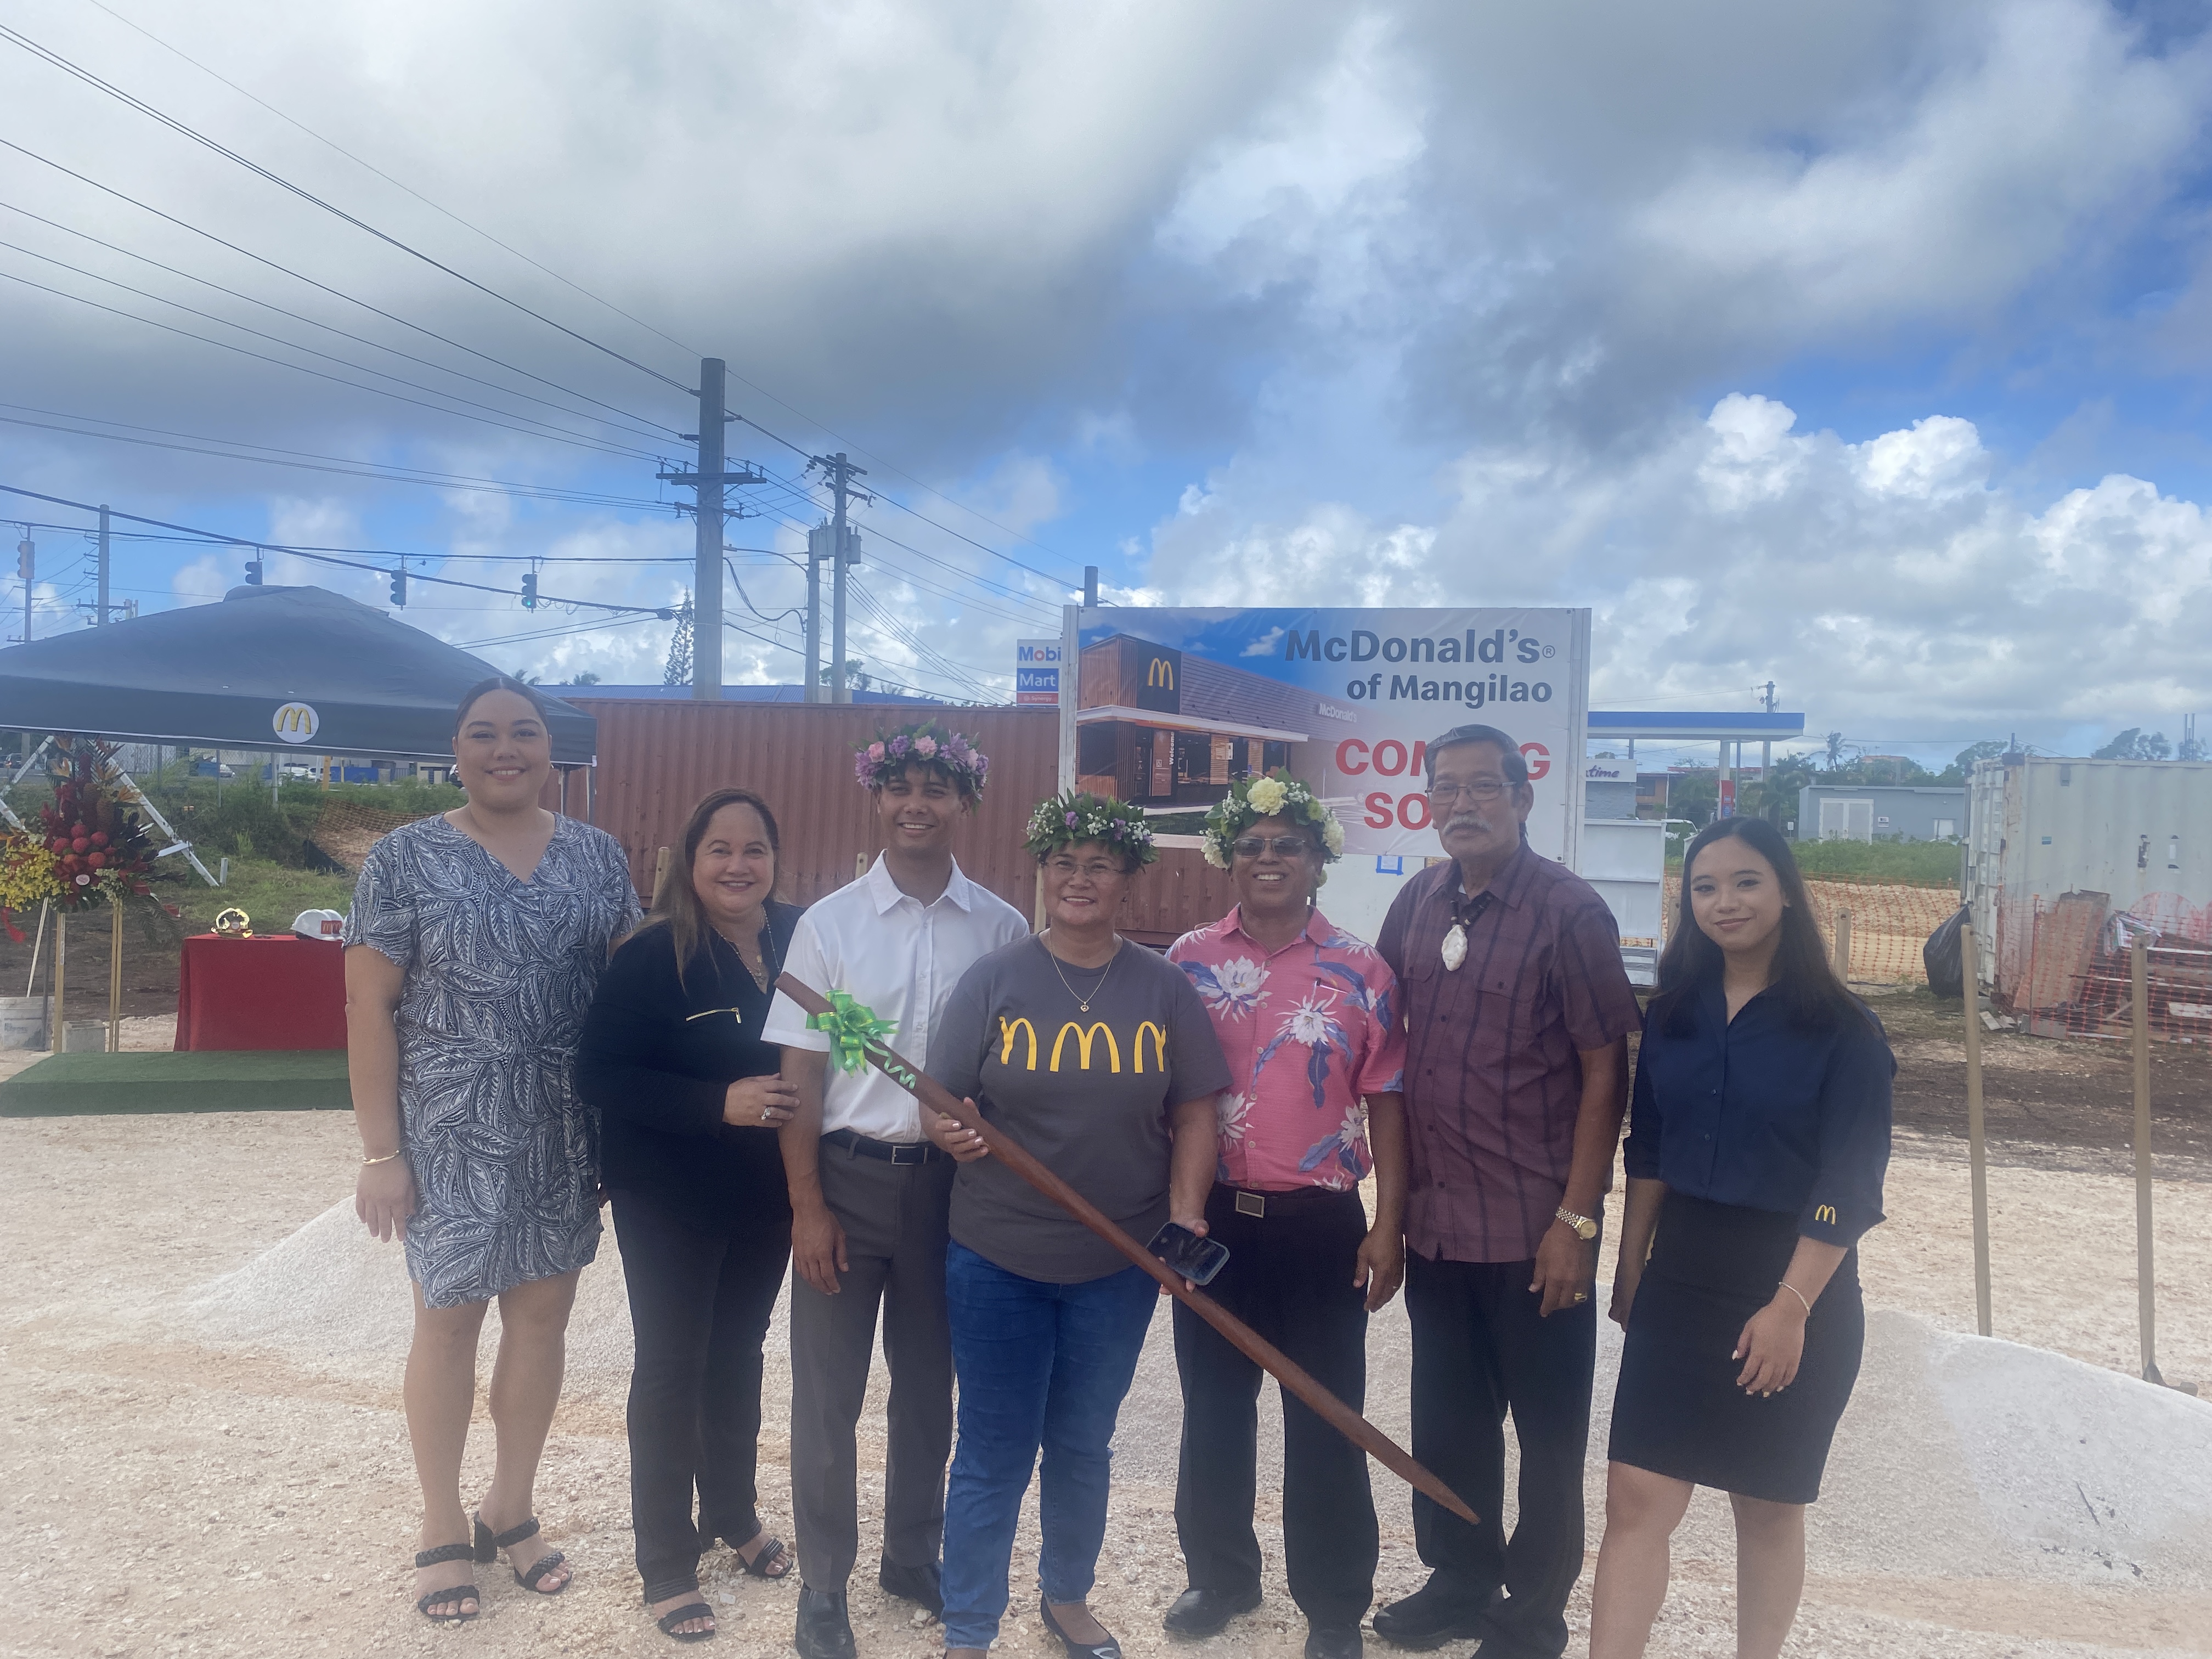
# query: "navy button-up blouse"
{"type": "Point", "coordinates": [1757, 1112]}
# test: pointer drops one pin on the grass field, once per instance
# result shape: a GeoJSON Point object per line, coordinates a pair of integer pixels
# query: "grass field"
{"type": "Point", "coordinates": [1909, 863]}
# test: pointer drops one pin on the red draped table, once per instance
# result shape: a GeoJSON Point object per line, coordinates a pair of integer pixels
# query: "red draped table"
{"type": "Point", "coordinates": [281, 992]}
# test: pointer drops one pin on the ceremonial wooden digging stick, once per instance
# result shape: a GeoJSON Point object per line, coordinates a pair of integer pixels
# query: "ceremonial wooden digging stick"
{"type": "Point", "coordinates": [1249, 1342]}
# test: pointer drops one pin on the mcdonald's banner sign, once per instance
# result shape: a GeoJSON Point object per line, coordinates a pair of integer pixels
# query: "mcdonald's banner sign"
{"type": "Point", "coordinates": [1349, 699]}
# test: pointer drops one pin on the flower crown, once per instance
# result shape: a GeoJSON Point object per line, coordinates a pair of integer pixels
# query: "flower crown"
{"type": "Point", "coordinates": [875, 764]}
{"type": "Point", "coordinates": [1276, 794]}
{"type": "Point", "coordinates": [1078, 815]}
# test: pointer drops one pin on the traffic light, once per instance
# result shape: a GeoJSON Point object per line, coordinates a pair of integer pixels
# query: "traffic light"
{"type": "Point", "coordinates": [27, 557]}
{"type": "Point", "coordinates": [399, 586]}
{"type": "Point", "coordinates": [254, 573]}
{"type": "Point", "coordinates": [530, 590]}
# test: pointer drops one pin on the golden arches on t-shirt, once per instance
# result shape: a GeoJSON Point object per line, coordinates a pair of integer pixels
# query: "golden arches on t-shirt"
{"type": "Point", "coordinates": [1006, 1034]}
{"type": "Point", "coordinates": [1083, 1035]}
{"type": "Point", "coordinates": [1159, 1046]}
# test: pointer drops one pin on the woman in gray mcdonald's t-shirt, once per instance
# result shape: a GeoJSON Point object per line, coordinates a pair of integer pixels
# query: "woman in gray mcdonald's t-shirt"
{"type": "Point", "coordinates": [1097, 1056]}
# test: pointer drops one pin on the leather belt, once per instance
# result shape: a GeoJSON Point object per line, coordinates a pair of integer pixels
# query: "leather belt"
{"type": "Point", "coordinates": [856, 1145]}
{"type": "Point", "coordinates": [1298, 1201]}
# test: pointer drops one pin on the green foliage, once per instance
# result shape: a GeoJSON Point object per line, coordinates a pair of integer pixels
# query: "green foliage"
{"type": "Point", "coordinates": [2135, 743]}
{"type": "Point", "coordinates": [268, 891]}
{"type": "Point", "coordinates": [1920, 863]}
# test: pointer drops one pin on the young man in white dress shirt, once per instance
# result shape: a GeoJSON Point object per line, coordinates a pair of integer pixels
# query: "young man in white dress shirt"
{"type": "Point", "coordinates": [869, 1193]}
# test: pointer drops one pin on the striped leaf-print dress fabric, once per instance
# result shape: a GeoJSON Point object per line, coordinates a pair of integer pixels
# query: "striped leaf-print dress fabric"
{"type": "Point", "coordinates": [499, 974]}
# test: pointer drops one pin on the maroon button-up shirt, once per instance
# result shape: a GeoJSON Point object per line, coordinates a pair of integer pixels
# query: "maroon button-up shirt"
{"type": "Point", "coordinates": [1493, 1080]}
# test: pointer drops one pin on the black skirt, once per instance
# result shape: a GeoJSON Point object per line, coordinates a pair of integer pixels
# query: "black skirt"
{"type": "Point", "coordinates": [1678, 1411]}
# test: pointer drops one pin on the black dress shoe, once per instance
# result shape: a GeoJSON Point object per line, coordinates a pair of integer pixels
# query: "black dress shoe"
{"type": "Point", "coordinates": [1108, 1649]}
{"type": "Point", "coordinates": [1204, 1612]}
{"type": "Point", "coordinates": [1333, 1642]}
{"type": "Point", "coordinates": [823, 1631]}
{"type": "Point", "coordinates": [1432, 1615]}
{"type": "Point", "coordinates": [920, 1583]}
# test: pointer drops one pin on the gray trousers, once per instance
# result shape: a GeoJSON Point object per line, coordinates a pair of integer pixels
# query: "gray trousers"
{"type": "Point", "coordinates": [893, 1218]}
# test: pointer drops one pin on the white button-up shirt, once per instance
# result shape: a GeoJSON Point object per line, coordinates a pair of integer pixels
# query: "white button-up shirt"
{"type": "Point", "coordinates": [901, 959]}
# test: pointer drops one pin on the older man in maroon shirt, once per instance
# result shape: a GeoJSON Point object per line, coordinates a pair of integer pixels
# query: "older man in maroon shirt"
{"type": "Point", "coordinates": [1516, 1068]}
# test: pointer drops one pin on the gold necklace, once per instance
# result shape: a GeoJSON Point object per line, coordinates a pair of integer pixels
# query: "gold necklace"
{"type": "Point", "coordinates": [1082, 1004]}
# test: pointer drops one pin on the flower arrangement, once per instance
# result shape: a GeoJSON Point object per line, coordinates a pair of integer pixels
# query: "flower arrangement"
{"type": "Point", "coordinates": [87, 847]}
{"type": "Point", "coordinates": [1080, 816]}
{"type": "Point", "coordinates": [950, 752]}
{"type": "Point", "coordinates": [1272, 794]}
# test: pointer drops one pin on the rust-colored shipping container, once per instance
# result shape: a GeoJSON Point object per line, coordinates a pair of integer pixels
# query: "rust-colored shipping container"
{"type": "Point", "coordinates": [657, 758]}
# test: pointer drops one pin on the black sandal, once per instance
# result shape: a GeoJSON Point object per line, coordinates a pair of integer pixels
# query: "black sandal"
{"type": "Point", "coordinates": [489, 1543]}
{"type": "Point", "coordinates": [668, 1621]}
{"type": "Point", "coordinates": [438, 1557]}
{"type": "Point", "coordinates": [771, 1551]}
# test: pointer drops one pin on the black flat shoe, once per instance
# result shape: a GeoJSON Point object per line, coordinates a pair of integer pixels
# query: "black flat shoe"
{"type": "Point", "coordinates": [823, 1631]}
{"type": "Point", "coordinates": [1108, 1649]}
{"type": "Point", "coordinates": [1333, 1642]}
{"type": "Point", "coordinates": [1432, 1615]}
{"type": "Point", "coordinates": [456, 1593]}
{"type": "Point", "coordinates": [922, 1583]}
{"type": "Point", "coordinates": [1205, 1611]}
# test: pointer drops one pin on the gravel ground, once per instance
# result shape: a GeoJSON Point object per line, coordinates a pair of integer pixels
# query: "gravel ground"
{"type": "Point", "coordinates": [202, 1450]}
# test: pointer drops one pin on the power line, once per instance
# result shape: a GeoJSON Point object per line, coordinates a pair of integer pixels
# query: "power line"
{"type": "Point", "coordinates": [186, 132]}
{"type": "Point", "coordinates": [339, 293]}
{"type": "Point", "coordinates": [302, 317]}
{"type": "Point", "coordinates": [560, 435]}
{"type": "Point", "coordinates": [689, 351]}
{"type": "Point", "coordinates": [342, 465]}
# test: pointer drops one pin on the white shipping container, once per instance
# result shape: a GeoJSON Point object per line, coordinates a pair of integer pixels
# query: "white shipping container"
{"type": "Point", "coordinates": [2140, 832]}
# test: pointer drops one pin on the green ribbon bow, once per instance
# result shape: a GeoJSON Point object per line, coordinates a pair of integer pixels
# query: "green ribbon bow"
{"type": "Point", "coordinates": [853, 1029]}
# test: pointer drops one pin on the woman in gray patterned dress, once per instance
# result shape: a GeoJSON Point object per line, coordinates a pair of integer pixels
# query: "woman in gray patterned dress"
{"type": "Point", "coordinates": [475, 941]}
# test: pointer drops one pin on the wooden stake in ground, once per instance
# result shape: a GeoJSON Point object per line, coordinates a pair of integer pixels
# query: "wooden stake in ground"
{"type": "Point", "coordinates": [1977, 1158]}
{"type": "Point", "coordinates": [1249, 1342]}
{"type": "Point", "coordinates": [2146, 1285]}
{"type": "Point", "coordinates": [1844, 946]}
{"type": "Point", "coordinates": [55, 1032]}
{"type": "Point", "coordinates": [115, 978]}
{"type": "Point", "coordinates": [659, 876]}
{"type": "Point", "coordinates": [38, 946]}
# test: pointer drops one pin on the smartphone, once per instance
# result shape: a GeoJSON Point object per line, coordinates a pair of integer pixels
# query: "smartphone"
{"type": "Point", "coordinates": [1196, 1259]}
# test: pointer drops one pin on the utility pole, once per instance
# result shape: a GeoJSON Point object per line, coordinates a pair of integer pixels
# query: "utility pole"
{"type": "Point", "coordinates": [844, 547]}
{"type": "Point", "coordinates": [1766, 748]}
{"type": "Point", "coordinates": [1090, 588]}
{"type": "Point", "coordinates": [709, 481]}
{"type": "Point", "coordinates": [100, 614]}
{"type": "Point", "coordinates": [27, 566]}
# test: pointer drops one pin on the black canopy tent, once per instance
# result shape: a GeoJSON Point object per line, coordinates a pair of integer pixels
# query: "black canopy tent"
{"type": "Point", "coordinates": [270, 668]}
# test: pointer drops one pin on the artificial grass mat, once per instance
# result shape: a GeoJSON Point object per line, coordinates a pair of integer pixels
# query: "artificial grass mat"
{"type": "Point", "coordinates": [204, 1080]}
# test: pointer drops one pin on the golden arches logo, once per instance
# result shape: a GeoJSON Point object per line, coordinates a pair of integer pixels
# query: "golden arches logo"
{"type": "Point", "coordinates": [295, 722]}
{"type": "Point", "coordinates": [1084, 1037]}
{"type": "Point", "coordinates": [1826, 1212]}
{"type": "Point", "coordinates": [1161, 673]}
{"type": "Point", "coordinates": [1006, 1034]}
{"type": "Point", "coordinates": [1159, 1047]}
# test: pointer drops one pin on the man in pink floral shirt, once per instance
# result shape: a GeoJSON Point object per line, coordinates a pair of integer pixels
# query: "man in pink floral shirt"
{"type": "Point", "coordinates": [1309, 1020]}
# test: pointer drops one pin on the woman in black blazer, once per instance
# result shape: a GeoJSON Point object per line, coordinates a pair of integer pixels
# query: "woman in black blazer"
{"type": "Point", "coordinates": [690, 1103]}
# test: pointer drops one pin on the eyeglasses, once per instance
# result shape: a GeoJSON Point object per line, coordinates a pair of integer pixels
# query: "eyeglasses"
{"type": "Point", "coordinates": [1283, 846]}
{"type": "Point", "coordinates": [1089, 869]}
{"type": "Point", "coordinates": [1479, 789]}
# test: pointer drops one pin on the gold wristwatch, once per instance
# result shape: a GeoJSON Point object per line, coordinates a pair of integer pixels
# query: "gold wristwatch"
{"type": "Point", "coordinates": [1585, 1229]}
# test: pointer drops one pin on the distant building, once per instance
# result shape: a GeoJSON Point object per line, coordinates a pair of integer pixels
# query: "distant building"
{"type": "Point", "coordinates": [1832, 811]}
{"type": "Point", "coordinates": [1609, 789]}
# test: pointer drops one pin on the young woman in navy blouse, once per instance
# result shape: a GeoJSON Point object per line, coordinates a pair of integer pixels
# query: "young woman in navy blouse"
{"type": "Point", "coordinates": [1758, 1140]}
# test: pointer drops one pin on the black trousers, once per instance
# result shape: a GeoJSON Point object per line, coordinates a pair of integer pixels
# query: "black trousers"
{"type": "Point", "coordinates": [1480, 1349]}
{"type": "Point", "coordinates": [700, 1300]}
{"type": "Point", "coordinates": [1289, 1277]}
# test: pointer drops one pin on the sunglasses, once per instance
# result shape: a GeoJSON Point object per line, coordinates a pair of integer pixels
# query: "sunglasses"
{"type": "Point", "coordinates": [1284, 846]}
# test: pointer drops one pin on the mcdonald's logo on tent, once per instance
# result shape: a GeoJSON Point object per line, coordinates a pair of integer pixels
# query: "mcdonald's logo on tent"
{"type": "Point", "coordinates": [296, 722]}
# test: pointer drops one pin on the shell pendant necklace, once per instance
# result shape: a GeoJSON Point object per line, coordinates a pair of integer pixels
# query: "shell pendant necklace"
{"type": "Point", "coordinates": [1082, 1004]}
{"type": "Point", "coordinates": [1463, 912]}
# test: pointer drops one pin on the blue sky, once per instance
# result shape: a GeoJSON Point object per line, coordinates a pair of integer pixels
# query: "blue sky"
{"type": "Point", "coordinates": [1858, 346]}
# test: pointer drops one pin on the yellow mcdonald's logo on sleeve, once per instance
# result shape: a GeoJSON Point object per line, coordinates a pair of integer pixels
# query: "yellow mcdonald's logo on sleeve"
{"type": "Point", "coordinates": [1826, 1212]}
{"type": "Point", "coordinates": [1084, 1037]}
{"type": "Point", "coordinates": [1006, 1034]}
{"type": "Point", "coordinates": [1159, 1046]}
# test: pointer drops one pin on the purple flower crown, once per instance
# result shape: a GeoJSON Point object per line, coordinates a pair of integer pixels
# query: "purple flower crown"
{"type": "Point", "coordinates": [950, 752]}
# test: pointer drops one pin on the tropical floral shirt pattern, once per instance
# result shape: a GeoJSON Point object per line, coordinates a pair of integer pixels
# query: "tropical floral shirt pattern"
{"type": "Point", "coordinates": [1309, 1031]}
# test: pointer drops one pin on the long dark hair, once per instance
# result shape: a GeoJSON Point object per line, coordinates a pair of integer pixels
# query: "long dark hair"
{"type": "Point", "coordinates": [1815, 999]}
{"type": "Point", "coordinates": [676, 906]}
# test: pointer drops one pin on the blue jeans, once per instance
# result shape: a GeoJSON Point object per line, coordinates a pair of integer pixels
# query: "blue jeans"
{"type": "Point", "coordinates": [1044, 1365]}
